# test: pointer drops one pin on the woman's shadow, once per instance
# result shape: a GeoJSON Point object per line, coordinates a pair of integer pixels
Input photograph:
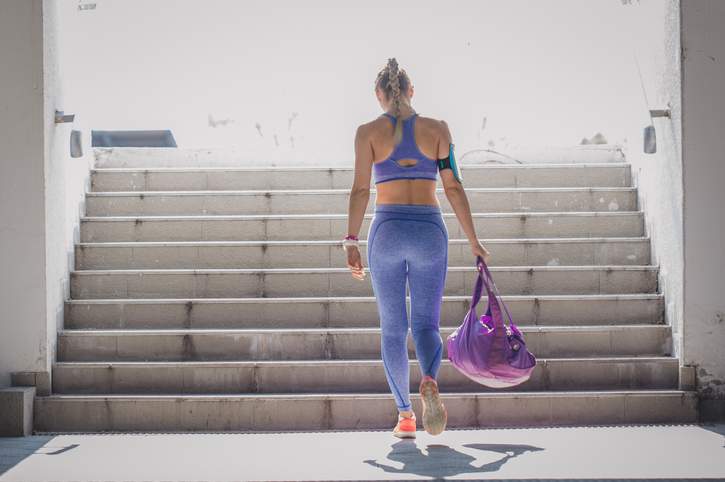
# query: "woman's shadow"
{"type": "Point", "coordinates": [443, 461]}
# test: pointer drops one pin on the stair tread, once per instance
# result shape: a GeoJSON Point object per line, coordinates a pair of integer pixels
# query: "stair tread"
{"type": "Point", "coordinates": [314, 395]}
{"type": "Point", "coordinates": [255, 192]}
{"type": "Point", "coordinates": [234, 331]}
{"type": "Point", "coordinates": [598, 267]}
{"type": "Point", "coordinates": [294, 299]}
{"type": "Point", "coordinates": [358, 361]}
{"type": "Point", "coordinates": [344, 216]}
{"type": "Point", "coordinates": [572, 165]}
{"type": "Point", "coordinates": [582, 239]}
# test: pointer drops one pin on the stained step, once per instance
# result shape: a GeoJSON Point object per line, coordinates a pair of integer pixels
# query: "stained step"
{"type": "Point", "coordinates": [329, 253]}
{"type": "Point", "coordinates": [320, 376]}
{"type": "Point", "coordinates": [347, 312]}
{"type": "Point", "coordinates": [203, 157]}
{"type": "Point", "coordinates": [227, 178]}
{"type": "Point", "coordinates": [214, 283]}
{"type": "Point", "coordinates": [335, 201]}
{"type": "Point", "coordinates": [292, 227]}
{"type": "Point", "coordinates": [338, 343]}
{"type": "Point", "coordinates": [351, 411]}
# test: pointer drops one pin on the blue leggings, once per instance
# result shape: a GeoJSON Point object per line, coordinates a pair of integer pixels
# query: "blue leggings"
{"type": "Point", "coordinates": [408, 241]}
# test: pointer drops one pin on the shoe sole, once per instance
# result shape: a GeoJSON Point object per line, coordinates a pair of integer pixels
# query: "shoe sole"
{"type": "Point", "coordinates": [435, 414]}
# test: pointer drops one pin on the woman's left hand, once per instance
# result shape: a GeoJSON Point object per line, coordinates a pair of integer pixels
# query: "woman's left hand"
{"type": "Point", "coordinates": [354, 262]}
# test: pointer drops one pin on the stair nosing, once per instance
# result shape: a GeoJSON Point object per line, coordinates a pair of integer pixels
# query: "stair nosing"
{"type": "Point", "coordinates": [603, 267]}
{"type": "Point", "coordinates": [252, 217]}
{"type": "Point", "coordinates": [256, 192]}
{"type": "Point", "coordinates": [295, 299]}
{"type": "Point", "coordinates": [354, 395]}
{"type": "Point", "coordinates": [549, 240]}
{"type": "Point", "coordinates": [572, 165]}
{"type": "Point", "coordinates": [349, 361]}
{"type": "Point", "coordinates": [525, 328]}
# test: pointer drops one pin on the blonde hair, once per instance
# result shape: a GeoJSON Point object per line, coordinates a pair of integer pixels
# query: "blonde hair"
{"type": "Point", "coordinates": [392, 81]}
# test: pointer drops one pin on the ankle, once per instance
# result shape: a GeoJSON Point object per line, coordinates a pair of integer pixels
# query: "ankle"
{"type": "Point", "coordinates": [406, 413]}
{"type": "Point", "coordinates": [427, 378]}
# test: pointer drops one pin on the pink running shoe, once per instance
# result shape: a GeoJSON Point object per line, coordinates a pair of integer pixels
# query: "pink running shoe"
{"type": "Point", "coordinates": [405, 427]}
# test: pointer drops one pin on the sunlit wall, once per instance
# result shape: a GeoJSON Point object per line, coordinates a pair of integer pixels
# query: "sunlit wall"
{"type": "Point", "coordinates": [289, 80]}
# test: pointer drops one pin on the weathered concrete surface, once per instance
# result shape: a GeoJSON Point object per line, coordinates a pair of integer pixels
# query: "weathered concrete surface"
{"type": "Point", "coordinates": [703, 105]}
{"type": "Point", "coordinates": [16, 411]}
{"type": "Point", "coordinates": [605, 452]}
{"type": "Point", "coordinates": [41, 187]}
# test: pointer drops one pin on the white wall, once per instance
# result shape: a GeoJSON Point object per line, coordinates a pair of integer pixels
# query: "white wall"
{"type": "Point", "coordinates": [66, 178]}
{"type": "Point", "coordinates": [540, 72]}
{"type": "Point", "coordinates": [41, 187]}
{"type": "Point", "coordinates": [22, 207]}
{"type": "Point", "coordinates": [703, 117]}
{"type": "Point", "coordinates": [653, 32]}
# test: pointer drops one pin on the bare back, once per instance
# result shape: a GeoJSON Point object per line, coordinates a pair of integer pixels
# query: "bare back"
{"type": "Point", "coordinates": [405, 191]}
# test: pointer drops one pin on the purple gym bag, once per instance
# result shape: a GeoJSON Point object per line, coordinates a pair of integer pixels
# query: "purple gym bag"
{"type": "Point", "coordinates": [485, 349]}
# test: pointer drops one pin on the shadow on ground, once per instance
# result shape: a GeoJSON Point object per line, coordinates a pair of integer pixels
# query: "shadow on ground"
{"type": "Point", "coordinates": [444, 461]}
{"type": "Point", "coordinates": [13, 450]}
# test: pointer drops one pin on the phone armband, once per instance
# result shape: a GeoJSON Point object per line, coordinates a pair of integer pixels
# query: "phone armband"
{"type": "Point", "coordinates": [450, 163]}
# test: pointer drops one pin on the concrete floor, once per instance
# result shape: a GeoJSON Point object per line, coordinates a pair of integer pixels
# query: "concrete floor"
{"type": "Point", "coordinates": [611, 452]}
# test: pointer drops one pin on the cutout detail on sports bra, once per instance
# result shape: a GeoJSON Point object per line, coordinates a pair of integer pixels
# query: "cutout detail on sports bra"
{"type": "Point", "coordinates": [397, 161]}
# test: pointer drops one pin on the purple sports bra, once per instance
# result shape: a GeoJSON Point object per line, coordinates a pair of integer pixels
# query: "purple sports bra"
{"type": "Point", "coordinates": [389, 169]}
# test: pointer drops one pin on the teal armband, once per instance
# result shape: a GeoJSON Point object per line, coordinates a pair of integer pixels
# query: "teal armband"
{"type": "Point", "coordinates": [450, 163]}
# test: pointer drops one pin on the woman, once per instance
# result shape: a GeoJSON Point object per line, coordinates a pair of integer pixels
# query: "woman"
{"type": "Point", "coordinates": [407, 238]}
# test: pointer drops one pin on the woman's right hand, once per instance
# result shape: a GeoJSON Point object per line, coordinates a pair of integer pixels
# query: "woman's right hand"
{"type": "Point", "coordinates": [478, 250]}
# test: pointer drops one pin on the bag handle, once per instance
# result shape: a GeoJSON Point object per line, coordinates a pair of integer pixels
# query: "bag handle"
{"type": "Point", "coordinates": [493, 294]}
{"type": "Point", "coordinates": [478, 291]}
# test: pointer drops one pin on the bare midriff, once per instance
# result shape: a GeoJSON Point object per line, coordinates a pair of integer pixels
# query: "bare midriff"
{"type": "Point", "coordinates": [407, 191]}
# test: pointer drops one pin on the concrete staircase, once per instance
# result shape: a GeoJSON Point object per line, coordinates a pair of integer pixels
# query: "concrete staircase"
{"type": "Point", "coordinates": [218, 299]}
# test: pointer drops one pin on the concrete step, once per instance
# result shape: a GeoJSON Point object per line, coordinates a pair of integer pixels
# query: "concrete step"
{"type": "Point", "coordinates": [338, 343]}
{"type": "Point", "coordinates": [349, 411]}
{"type": "Point", "coordinates": [300, 177]}
{"type": "Point", "coordinates": [291, 227]}
{"type": "Point", "coordinates": [152, 157]}
{"type": "Point", "coordinates": [348, 312]}
{"type": "Point", "coordinates": [335, 201]}
{"type": "Point", "coordinates": [329, 253]}
{"type": "Point", "coordinates": [340, 376]}
{"type": "Point", "coordinates": [220, 283]}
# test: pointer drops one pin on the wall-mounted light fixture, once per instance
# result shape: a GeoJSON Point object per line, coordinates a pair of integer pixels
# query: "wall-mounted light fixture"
{"type": "Point", "coordinates": [650, 135]}
{"type": "Point", "coordinates": [659, 113]}
{"type": "Point", "coordinates": [61, 117]}
{"type": "Point", "coordinates": [76, 144]}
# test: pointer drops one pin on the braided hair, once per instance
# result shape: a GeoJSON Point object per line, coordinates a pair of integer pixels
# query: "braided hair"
{"type": "Point", "coordinates": [392, 81]}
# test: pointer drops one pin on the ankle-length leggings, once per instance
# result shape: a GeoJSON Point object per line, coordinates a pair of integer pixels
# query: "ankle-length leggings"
{"type": "Point", "coordinates": [408, 242]}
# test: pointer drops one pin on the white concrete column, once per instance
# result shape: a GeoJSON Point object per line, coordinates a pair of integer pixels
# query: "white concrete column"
{"type": "Point", "coordinates": [41, 190]}
{"type": "Point", "coordinates": [23, 152]}
{"type": "Point", "coordinates": [703, 125]}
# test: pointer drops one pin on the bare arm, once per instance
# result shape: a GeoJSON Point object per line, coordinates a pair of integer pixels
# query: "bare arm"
{"type": "Point", "coordinates": [457, 195]}
{"type": "Point", "coordinates": [360, 191]}
{"type": "Point", "coordinates": [359, 197]}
